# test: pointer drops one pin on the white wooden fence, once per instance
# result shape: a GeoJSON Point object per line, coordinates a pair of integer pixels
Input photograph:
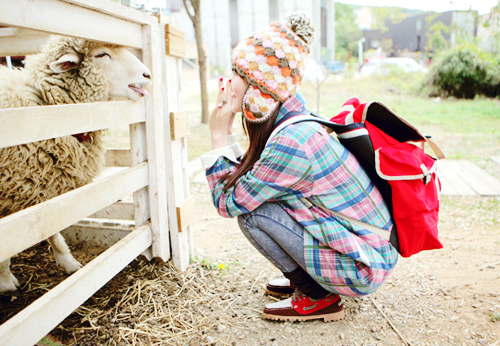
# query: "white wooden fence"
{"type": "Point", "coordinates": [157, 158]}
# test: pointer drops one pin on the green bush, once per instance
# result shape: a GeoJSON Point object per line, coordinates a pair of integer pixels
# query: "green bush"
{"type": "Point", "coordinates": [464, 73]}
{"type": "Point", "coordinates": [492, 83]}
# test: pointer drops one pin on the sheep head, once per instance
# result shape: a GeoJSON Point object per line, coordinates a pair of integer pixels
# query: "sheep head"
{"type": "Point", "coordinates": [125, 73]}
{"type": "Point", "coordinates": [72, 70]}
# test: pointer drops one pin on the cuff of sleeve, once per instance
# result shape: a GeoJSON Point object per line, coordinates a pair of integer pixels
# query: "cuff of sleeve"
{"type": "Point", "coordinates": [208, 160]}
{"type": "Point", "coordinates": [231, 139]}
{"type": "Point", "coordinates": [238, 152]}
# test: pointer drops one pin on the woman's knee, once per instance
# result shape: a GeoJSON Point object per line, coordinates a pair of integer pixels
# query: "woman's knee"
{"type": "Point", "coordinates": [242, 222]}
{"type": "Point", "coordinates": [252, 220]}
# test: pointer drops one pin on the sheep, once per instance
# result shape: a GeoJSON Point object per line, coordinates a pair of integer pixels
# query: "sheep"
{"type": "Point", "coordinates": [67, 70]}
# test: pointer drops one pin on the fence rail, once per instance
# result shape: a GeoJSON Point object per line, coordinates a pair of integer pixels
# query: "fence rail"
{"type": "Point", "coordinates": [30, 226]}
{"type": "Point", "coordinates": [77, 18]}
{"type": "Point", "coordinates": [29, 124]}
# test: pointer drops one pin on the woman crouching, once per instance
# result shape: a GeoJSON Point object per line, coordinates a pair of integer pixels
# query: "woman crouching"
{"type": "Point", "coordinates": [279, 189]}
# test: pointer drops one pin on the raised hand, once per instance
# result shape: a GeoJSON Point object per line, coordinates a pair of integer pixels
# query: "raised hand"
{"type": "Point", "coordinates": [222, 117]}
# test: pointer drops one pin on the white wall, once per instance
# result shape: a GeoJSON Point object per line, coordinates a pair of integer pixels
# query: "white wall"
{"type": "Point", "coordinates": [253, 15]}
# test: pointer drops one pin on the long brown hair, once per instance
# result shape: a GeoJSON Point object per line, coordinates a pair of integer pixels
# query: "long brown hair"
{"type": "Point", "coordinates": [257, 134]}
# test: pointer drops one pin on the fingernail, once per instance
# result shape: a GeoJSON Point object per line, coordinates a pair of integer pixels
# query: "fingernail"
{"type": "Point", "coordinates": [220, 79]}
{"type": "Point", "coordinates": [222, 89]}
{"type": "Point", "coordinates": [229, 81]}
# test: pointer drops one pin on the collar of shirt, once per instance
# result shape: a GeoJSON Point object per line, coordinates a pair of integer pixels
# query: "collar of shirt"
{"type": "Point", "coordinates": [295, 103]}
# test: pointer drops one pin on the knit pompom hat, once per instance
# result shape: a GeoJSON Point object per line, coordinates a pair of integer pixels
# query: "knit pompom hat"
{"type": "Point", "coordinates": [272, 62]}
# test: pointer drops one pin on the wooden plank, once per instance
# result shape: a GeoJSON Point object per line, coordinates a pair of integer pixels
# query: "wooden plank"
{"type": "Point", "coordinates": [14, 46]}
{"type": "Point", "coordinates": [495, 159]}
{"type": "Point", "coordinates": [118, 158]}
{"type": "Point", "coordinates": [175, 46]}
{"type": "Point", "coordinates": [95, 235]}
{"type": "Point", "coordinates": [30, 124]}
{"type": "Point", "coordinates": [34, 322]}
{"type": "Point", "coordinates": [119, 210]}
{"type": "Point", "coordinates": [177, 191]}
{"type": "Point", "coordinates": [451, 183]}
{"type": "Point", "coordinates": [170, 29]}
{"type": "Point", "coordinates": [139, 155]}
{"type": "Point", "coordinates": [185, 163]}
{"type": "Point", "coordinates": [481, 181]}
{"type": "Point", "coordinates": [186, 212]}
{"type": "Point", "coordinates": [138, 147]}
{"type": "Point", "coordinates": [179, 124]}
{"type": "Point", "coordinates": [5, 32]}
{"type": "Point", "coordinates": [54, 16]}
{"type": "Point", "coordinates": [116, 10]}
{"type": "Point", "coordinates": [155, 130]}
{"type": "Point", "coordinates": [27, 227]}
{"type": "Point", "coordinates": [20, 42]}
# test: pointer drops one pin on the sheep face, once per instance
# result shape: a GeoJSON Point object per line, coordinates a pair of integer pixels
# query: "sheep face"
{"type": "Point", "coordinates": [124, 72]}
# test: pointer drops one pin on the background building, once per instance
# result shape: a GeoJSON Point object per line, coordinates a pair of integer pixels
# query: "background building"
{"type": "Point", "coordinates": [227, 22]}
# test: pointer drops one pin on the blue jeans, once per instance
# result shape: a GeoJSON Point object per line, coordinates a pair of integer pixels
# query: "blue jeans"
{"type": "Point", "coordinates": [276, 235]}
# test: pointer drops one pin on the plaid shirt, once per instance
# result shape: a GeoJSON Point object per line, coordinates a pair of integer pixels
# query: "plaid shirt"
{"type": "Point", "coordinates": [303, 160]}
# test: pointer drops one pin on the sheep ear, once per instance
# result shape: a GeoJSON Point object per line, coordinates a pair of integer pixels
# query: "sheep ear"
{"type": "Point", "coordinates": [65, 63]}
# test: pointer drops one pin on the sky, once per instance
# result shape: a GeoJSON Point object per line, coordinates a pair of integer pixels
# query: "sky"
{"type": "Point", "coordinates": [482, 6]}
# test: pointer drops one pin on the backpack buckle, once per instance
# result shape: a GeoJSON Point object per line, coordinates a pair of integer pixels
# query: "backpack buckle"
{"type": "Point", "coordinates": [427, 174]}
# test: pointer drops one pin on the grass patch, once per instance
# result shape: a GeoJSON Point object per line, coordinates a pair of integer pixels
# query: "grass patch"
{"type": "Point", "coordinates": [495, 317]}
{"type": "Point", "coordinates": [198, 141]}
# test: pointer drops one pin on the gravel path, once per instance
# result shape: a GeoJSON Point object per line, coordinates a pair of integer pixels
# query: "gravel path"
{"type": "Point", "coordinates": [442, 297]}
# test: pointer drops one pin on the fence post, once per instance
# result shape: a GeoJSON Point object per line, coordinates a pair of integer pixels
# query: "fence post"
{"type": "Point", "coordinates": [176, 154]}
{"type": "Point", "coordinates": [155, 130]}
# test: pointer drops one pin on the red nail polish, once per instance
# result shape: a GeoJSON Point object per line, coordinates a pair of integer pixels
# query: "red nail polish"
{"type": "Point", "coordinates": [222, 88]}
{"type": "Point", "coordinates": [220, 79]}
{"type": "Point", "coordinates": [229, 81]}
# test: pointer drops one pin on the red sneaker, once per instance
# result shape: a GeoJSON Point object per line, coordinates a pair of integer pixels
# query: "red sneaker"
{"type": "Point", "coordinates": [299, 307]}
{"type": "Point", "coordinates": [280, 287]}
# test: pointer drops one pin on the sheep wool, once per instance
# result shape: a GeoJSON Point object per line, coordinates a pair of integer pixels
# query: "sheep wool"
{"type": "Point", "coordinates": [35, 172]}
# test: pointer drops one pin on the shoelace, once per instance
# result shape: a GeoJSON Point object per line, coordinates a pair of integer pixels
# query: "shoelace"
{"type": "Point", "coordinates": [297, 295]}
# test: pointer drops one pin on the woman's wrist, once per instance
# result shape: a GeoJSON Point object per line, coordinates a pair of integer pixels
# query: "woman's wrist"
{"type": "Point", "coordinates": [218, 140]}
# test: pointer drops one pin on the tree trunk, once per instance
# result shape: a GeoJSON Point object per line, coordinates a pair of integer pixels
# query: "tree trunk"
{"type": "Point", "coordinates": [194, 12]}
{"type": "Point", "coordinates": [202, 63]}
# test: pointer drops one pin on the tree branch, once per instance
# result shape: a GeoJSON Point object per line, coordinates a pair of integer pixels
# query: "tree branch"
{"type": "Point", "coordinates": [196, 5]}
{"type": "Point", "coordinates": [187, 10]}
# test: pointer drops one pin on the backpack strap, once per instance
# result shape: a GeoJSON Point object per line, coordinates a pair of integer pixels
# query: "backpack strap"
{"type": "Point", "coordinates": [383, 233]}
{"type": "Point", "coordinates": [436, 149]}
{"type": "Point", "coordinates": [296, 117]}
{"type": "Point", "coordinates": [291, 120]}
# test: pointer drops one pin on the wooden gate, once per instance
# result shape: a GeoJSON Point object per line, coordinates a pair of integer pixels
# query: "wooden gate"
{"type": "Point", "coordinates": [157, 175]}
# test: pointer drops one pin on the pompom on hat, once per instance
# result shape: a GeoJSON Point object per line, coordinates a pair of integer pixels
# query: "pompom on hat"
{"type": "Point", "coordinates": [272, 62]}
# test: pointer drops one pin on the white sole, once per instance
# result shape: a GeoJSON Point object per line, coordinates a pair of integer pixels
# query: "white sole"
{"type": "Point", "coordinates": [335, 316]}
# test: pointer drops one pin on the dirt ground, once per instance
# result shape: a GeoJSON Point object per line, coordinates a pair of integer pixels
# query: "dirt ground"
{"type": "Point", "coordinates": [442, 297]}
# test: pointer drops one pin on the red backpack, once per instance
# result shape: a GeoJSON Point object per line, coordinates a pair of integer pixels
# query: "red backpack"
{"type": "Point", "coordinates": [404, 174]}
